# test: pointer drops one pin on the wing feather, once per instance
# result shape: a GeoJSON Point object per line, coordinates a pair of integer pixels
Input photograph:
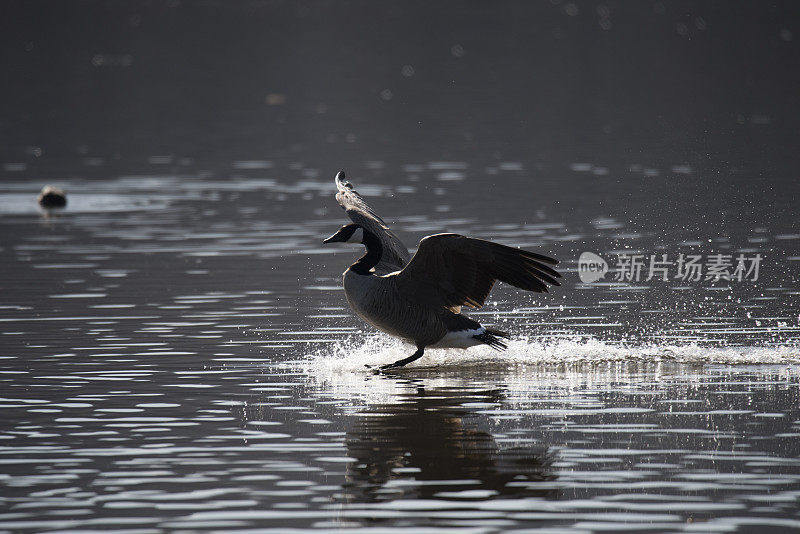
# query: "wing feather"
{"type": "Point", "coordinates": [395, 253]}
{"type": "Point", "coordinates": [452, 270]}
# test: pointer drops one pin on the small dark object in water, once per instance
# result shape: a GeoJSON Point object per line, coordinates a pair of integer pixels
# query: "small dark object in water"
{"type": "Point", "coordinates": [52, 197]}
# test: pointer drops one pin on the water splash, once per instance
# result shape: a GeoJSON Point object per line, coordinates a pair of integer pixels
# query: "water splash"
{"type": "Point", "coordinates": [361, 355]}
{"type": "Point", "coordinates": [533, 369]}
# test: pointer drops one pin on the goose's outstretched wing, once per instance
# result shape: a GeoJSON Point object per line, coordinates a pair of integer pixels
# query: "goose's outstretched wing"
{"type": "Point", "coordinates": [451, 270]}
{"type": "Point", "coordinates": [395, 253]}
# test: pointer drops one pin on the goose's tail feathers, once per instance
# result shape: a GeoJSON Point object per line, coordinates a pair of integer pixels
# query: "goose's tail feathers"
{"type": "Point", "coordinates": [492, 337]}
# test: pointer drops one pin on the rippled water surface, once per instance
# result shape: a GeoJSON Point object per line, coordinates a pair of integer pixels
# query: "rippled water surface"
{"type": "Point", "coordinates": [176, 352]}
{"type": "Point", "coordinates": [177, 355]}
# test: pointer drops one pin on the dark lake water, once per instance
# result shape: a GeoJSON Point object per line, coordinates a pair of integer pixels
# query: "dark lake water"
{"type": "Point", "coordinates": [176, 353]}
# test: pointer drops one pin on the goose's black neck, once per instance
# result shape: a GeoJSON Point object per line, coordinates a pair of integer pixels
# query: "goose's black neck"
{"type": "Point", "coordinates": [371, 258]}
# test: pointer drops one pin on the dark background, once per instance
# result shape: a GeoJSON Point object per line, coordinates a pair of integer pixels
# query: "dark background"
{"type": "Point", "coordinates": [711, 84]}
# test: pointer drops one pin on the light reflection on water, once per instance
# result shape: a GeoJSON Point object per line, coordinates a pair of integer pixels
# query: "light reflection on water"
{"type": "Point", "coordinates": [188, 362]}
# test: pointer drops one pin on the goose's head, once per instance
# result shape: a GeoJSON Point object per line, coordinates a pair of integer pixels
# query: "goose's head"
{"type": "Point", "coordinates": [349, 233]}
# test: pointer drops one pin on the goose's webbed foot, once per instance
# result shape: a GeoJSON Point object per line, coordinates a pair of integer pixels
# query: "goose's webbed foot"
{"type": "Point", "coordinates": [400, 363]}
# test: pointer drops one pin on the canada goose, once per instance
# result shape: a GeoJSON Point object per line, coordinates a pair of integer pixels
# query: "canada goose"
{"type": "Point", "coordinates": [420, 301]}
{"type": "Point", "coordinates": [52, 197]}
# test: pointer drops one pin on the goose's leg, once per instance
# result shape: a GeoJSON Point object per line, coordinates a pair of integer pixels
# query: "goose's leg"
{"type": "Point", "coordinates": [400, 363]}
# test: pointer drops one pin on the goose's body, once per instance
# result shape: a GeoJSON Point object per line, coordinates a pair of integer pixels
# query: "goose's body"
{"type": "Point", "coordinates": [419, 300]}
{"type": "Point", "coordinates": [380, 302]}
{"type": "Point", "coordinates": [374, 298]}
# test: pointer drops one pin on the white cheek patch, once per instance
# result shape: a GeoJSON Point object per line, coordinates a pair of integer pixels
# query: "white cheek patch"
{"type": "Point", "coordinates": [357, 237]}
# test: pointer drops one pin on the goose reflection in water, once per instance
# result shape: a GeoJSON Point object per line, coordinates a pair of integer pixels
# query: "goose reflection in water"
{"type": "Point", "coordinates": [430, 446]}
